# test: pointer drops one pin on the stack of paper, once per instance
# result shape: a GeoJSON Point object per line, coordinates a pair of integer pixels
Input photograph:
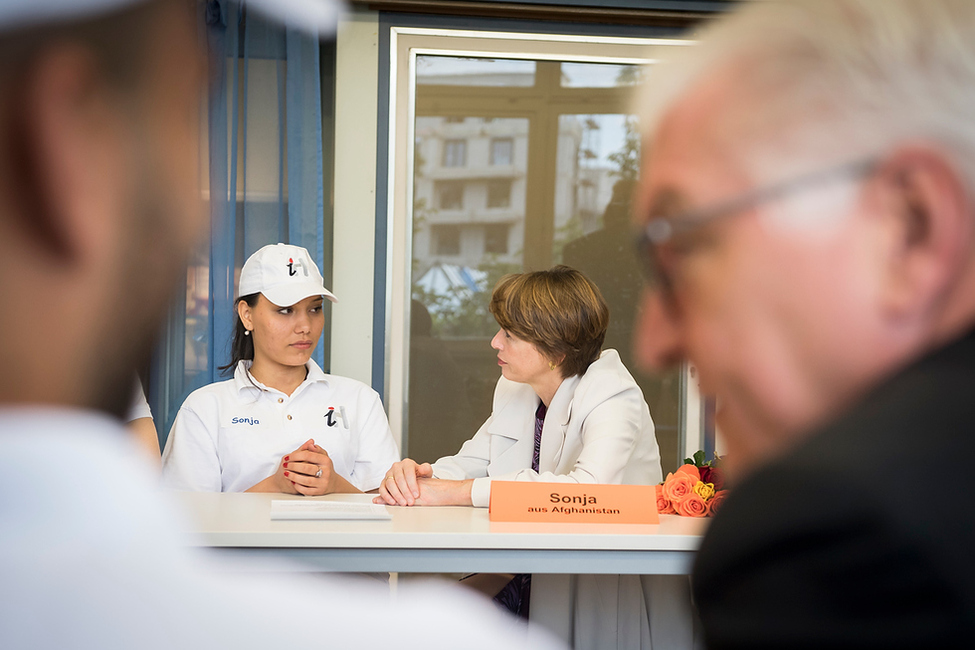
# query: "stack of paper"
{"type": "Point", "coordinates": [295, 509]}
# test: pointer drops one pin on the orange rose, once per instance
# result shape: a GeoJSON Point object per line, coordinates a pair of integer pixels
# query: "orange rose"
{"type": "Point", "coordinates": [678, 486]}
{"type": "Point", "coordinates": [664, 506]}
{"type": "Point", "coordinates": [690, 470]}
{"type": "Point", "coordinates": [715, 503]}
{"type": "Point", "coordinates": [691, 506]}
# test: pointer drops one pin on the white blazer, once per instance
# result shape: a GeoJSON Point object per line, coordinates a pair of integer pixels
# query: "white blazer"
{"type": "Point", "coordinates": [597, 430]}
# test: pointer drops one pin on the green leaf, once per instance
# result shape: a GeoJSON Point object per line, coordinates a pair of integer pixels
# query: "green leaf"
{"type": "Point", "coordinates": [688, 461]}
{"type": "Point", "coordinates": [699, 457]}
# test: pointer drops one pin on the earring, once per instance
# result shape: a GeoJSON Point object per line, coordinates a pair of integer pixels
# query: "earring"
{"type": "Point", "coordinates": [552, 365]}
{"type": "Point", "coordinates": [247, 332]}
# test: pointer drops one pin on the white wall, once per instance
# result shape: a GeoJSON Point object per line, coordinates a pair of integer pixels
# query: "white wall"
{"type": "Point", "coordinates": [356, 87]}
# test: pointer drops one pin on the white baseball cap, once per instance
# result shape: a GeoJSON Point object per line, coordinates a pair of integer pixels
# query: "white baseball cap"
{"type": "Point", "coordinates": [311, 16]}
{"type": "Point", "coordinates": [285, 274]}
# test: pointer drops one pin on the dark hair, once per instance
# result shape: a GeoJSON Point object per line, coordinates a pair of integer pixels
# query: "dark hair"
{"type": "Point", "coordinates": [421, 324]}
{"type": "Point", "coordinates": [559, 311]}
{"type": "Point", "coordinates": [241, 344]}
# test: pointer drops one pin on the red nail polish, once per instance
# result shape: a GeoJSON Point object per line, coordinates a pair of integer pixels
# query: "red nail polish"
{"type": "Point", "coordinates": [287, 457]}
{"type": "Point", "coordinates": [286, 474]}
{"type": "Point", "coordinates": [285, 464]}
{"type": "Point", "coordinates": [292, 482]}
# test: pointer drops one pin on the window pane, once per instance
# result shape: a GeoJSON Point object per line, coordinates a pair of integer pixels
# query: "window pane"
{"type": "Point", "coordinates": [464, 71]}
{"type": "Point", "coordinates": [468, 231]}
{"type": "Point", "coordinates": [601, 156]}
{"type": "Point", "coordinates": [487, 204]}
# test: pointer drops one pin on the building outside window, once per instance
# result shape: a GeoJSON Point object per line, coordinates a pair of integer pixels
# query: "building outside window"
{"type": "Point", "coordinates": [499, 194]}
{"type": "Point", "coordinates": [450, 195]}
{"type": "Point", "coordinates": [496, 238]}
{"type": "Point", "coordinates": [454, 153]}
{"type": "Point", "coordinates": [446, 239]}
{"type": "Point", "coordinates": [502, 151]}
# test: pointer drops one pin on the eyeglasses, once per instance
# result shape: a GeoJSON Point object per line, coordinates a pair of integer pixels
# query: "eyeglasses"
{"type": "Point", "coordinates": [660, 230]}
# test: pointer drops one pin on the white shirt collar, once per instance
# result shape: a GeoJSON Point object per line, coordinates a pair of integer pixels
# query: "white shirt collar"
{"type": "Point", "coordinates": [243, 379]}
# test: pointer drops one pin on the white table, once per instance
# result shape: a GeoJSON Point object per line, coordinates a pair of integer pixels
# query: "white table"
{"type": "Point", "coordinates": [440, 540]}
{"type": "Point", "coordinates": [449, 540]}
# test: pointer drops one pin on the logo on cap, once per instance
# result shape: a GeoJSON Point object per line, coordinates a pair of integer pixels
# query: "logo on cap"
{"type": "Point", "coordinates": [293, 266]}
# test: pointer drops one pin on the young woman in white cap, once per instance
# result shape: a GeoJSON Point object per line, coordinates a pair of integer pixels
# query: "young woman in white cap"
{"type": "Point", "coordinates": [281, 424]}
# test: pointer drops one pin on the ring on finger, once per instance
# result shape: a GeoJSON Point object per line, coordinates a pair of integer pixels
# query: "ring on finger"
{"type": "Point", "coordinates": [390, 478]}
{"type": "Point", "coordinates": [318, 474]}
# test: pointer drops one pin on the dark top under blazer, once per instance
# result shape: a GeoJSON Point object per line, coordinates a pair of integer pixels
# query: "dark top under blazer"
{"type": "Point", "coordinates": [864, 535]}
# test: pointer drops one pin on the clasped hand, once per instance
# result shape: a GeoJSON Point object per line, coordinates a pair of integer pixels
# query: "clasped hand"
{"type": "Point", "coordinates": [307, 470]}
{"type": "Point", "coordinates": [408, 483]}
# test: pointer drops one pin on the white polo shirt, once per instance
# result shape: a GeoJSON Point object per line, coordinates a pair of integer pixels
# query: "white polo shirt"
{"type": "Point", "coordinates": [231, 435]}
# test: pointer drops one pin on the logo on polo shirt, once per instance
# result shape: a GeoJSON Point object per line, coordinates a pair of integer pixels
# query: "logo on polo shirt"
{"type": "Point", "coordinates": [250, 421]}
{"type": "Point", "coordinates": [293, 267]}
{"type": "Point", "coordinates": [335, 416]}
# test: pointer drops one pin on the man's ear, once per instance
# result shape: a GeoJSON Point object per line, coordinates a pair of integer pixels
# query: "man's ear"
{"type": "Point", "coordinates": [64, 161]}
{"type": "Point", "coordinates": [930, 212]}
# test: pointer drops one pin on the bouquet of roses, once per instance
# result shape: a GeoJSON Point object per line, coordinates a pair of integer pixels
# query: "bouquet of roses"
{"type": "Point", "coordinates": [696, 489]}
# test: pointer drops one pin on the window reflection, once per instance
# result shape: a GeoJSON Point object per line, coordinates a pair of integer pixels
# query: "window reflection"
{"type": "Point", "coordinates": [505, 182]}
{"type": "Point", "coordinates": [471, 216]}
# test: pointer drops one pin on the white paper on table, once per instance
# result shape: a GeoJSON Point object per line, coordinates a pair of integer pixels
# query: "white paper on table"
{"type": "Point", "coordinates": [294, 509]}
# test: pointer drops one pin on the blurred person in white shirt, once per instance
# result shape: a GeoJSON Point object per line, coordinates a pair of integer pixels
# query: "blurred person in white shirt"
{"type": "Point", "coordinates": [99, 106]}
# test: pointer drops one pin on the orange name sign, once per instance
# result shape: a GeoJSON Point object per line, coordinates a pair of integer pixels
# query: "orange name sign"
{"type": "Point", "coordinates": [573, 503]}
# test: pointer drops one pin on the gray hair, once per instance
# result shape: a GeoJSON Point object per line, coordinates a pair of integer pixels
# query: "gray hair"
{"type": "Point", "coordinates": [836, 79]}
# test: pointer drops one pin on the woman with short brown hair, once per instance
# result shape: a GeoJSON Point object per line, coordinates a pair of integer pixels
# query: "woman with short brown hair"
{"type": "Point", "coordinates": [560, 311]}
{"type": "Point", "coordinates": [564, 411]}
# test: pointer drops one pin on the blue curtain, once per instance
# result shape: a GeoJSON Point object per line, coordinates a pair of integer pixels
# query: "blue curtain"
{"type": "Point", "coordinates": [265, 182]}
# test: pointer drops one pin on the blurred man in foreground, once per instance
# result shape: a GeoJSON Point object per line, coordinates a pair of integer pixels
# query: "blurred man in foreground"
{"type": "Point", "coordinates": [99, 204]}
{"type": "Point", "coordinates": [808, 213]}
